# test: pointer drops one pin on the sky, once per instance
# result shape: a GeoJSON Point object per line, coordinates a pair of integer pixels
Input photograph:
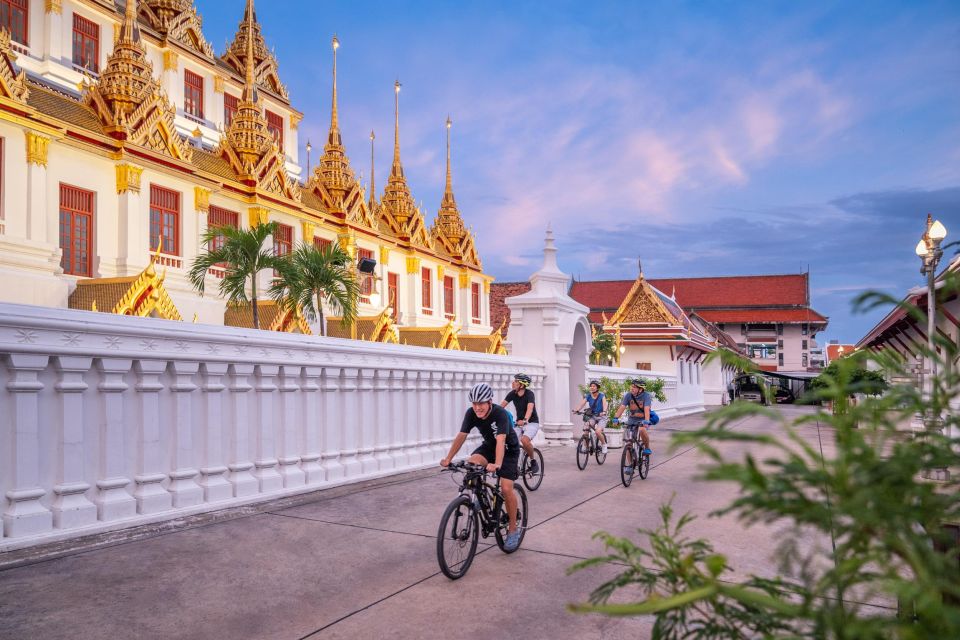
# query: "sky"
{"type": "Point", "coordinates": [704, 138]}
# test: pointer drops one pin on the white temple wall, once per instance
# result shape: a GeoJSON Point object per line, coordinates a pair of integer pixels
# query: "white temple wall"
{"type": "Point", "coordinates": [112, 421]}
{"type": "Point", "coordinates": [681, 399]}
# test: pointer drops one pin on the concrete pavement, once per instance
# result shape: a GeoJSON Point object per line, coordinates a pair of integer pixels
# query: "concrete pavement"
{"type": "Point", "coordinates": [360, 562]}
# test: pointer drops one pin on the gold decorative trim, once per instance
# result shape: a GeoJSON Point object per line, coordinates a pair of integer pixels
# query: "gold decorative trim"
{"type": "Point", "coordinates": [258, 216]}
{"type": "Point", "coordinates": [170, 60]}
{"type": "Point", "coordinates": [53, 6]}
{"type": "Point", "coordinates": [439, 273]}
{"type": "Point", "coordinates": [295, 119]}
{"type": "Point", "coordinates": [486, 287]}
{"type": "Point", "coordinates": [348, 242]}
{"type": "Point", "coordinates": [464, 280]}
{"type": "Point", "coordinates": [201, 199]}
{"type": "Point", "coordinates": [309, 229]}
{"type": "Point", "coordinates": [116, 32]}
{"type": "Point", "coordinates": [218, 84]}
{"type": "Point", "coordinates": [384, 255]}
{"type": "Point", "coordinates": [37, 148]}
{"type": "Point", "coordinates": [128, 178]}
{"type": "Point", "coordinates": [413, 265]}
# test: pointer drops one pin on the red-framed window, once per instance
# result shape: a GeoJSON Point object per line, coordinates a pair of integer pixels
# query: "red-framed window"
{"type": "Point", "coordinates": [86, 43]}
{"type": "Point", "coordinates": [164, 220]}
{"type": "Point", "coordinates": [321, 243]}
{"type": "Point", "coordinates": [426, 281]}
{"type": "Point", "coordinates": [366, 280]}
{"type": "Point", "coordinates": [220, 217]}
{"type": "Point", "coordinates": [230, 104]}
{"type": "Point", "coordinates": [283, 240]}
{"type": "Point", "coordinates": [393, 291]}
{"type": "Point", "coordinates": [275, 127]}
{"type": "Point", "coordinates": [14, 16]}
{"type": "Point", "coordinates": [475, 302]}
{"type": "Point", "coordinates": [448, 293]}
{"type": "Point", "coordinates": [76, 230]}
{"type": "Point", "coordinates": [2, 183]}
{"type": "Point", "coordinates": [193, 94]}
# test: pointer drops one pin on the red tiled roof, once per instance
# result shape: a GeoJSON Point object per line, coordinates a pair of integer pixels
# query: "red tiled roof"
{"type": "Point", "coordinates": [833, 350]}
{"type": "Point", "coordinates": [500, 291]}
{"type": "Point", "coordinates": [761, 315]}
{"type": "Point", "coordinates": [601, 294]}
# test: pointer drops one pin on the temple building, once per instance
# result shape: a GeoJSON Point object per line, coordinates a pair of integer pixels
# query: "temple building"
{"type": "Point", "coordinates": [124, 137]}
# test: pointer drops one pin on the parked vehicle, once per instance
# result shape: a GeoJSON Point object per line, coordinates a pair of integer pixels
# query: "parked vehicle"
{"type": "Point", "coordinates": [783, 395]}
{"type": "Point", "coordinates": [751, 388]}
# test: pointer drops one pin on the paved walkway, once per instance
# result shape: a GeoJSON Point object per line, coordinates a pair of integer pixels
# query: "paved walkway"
{"type": "Point", "coordinates": [360, 562]}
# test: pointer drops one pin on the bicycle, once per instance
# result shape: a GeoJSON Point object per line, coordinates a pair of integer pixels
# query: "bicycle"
{"type": "Point", "coordinates": [589, 444]}
{"type": "Point", "coordinates": [531, 480]}
{"type": "Point", "coordinates": [479, 509]}
{"type": "Point", "coordinates": [639, 460]}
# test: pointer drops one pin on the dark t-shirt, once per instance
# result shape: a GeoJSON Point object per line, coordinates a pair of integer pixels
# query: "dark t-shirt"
{"type": "Point", "coordinates": [496, 423]}
{"type": "Point", "coordinates": [521, 402]}
{"type": "Point", "coordinates": [635, 405]}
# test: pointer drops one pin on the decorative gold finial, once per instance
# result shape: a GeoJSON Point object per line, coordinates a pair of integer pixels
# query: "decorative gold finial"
{"type": "Point", "coordinates": [334, 137]}
{"type": "Point", "coordinates": [373, 192]}
{"type": "Point", "coordinates": [249, 87]}
{"type": "Point", "coordinates": [449, 188]}
{"type": "Point", "coordinates": [396, 125]}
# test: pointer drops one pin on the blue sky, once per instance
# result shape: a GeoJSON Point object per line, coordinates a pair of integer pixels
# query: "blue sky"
{"type": "Point", "coordinates": [709, 138]}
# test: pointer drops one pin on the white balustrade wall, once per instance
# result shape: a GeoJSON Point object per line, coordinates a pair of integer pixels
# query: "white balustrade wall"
{"type": "Point", "coordinates": [682, 398]}
{"type": "Point", "coordinates": [108, 422]}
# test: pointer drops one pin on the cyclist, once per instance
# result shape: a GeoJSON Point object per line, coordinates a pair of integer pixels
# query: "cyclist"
{"type": "Point", "coordinates": [528, 424]}
{"type": "Point", "coordinates": [638, 401]}
{"type": "Point", "coordinates": [499, 451]}
{"type": "Point", "coordinates": [598, 405]}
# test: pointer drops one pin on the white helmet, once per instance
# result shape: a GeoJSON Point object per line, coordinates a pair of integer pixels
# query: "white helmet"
{"type": "Point", "coordinates": [481, 392]}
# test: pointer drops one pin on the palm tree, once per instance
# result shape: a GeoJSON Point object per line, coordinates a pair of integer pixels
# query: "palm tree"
{"type": "Point", "coordinates": [311, 277]}
{"type": "Point", "coordinates": [242, 256]}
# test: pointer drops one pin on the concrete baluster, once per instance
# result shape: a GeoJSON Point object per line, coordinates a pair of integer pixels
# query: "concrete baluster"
{"type": "Point", "coordinates": [394, 419]}
{"type": "Point", "coordinates": [268, 478]}
{"type": "Point", "coordinates": [25, 515]}
{"type": "Point", "coordinates": [439, 443]}
{"type": "Point", "coordinates": [330, 424]}
{"type": "Point", "coordinates": [424, 415]}
{"type": "Point", "coordinates": [150, 495]}
{"type": "Point", "coordinates": [349, 421]}
{"type": "Point", "coordinates": [211, 432]}
{"type": "Point", "coordinates": [310, 425]}
{"type": "Point", "coordinates": [290, 422]}
{"type": "Point", "coordinates": [71, 507]}
{"type": "Point", "coordinates": [239, 458]}
{"type": "Point", "coordinates": [183, 486]}
{"type": "Point", "coordinates": [381, 427]}
{"type": "Point", "coordinates": [113, 500]}
{"type": "Point", "coordinates": [368, 413]}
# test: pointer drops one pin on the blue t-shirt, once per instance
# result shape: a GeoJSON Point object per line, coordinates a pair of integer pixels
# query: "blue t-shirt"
{"type": "Point", "coordinates": [596, 405]}
{"type": "Point", "coordinates": [635, 405]}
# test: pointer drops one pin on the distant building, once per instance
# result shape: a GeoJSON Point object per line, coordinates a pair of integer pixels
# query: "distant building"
{"type": "Point", "coordinates": [835, 351]}
{"type": "Point", "coordinates": [768, 317]}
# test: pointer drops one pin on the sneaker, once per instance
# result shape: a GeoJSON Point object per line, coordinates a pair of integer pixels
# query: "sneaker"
{"type": "Point", "coordinates": [513, 541]}
{"type": "Point", "coordinates": [604, 449]}
{"type": "Point", "coordinates": [628, 471]}
{"type": "Point", "coordinates": [647, 452]}
{"type": "Point", "coordinates": [534, 467]}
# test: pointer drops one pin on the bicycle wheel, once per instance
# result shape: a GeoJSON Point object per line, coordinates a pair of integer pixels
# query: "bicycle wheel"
{"type": "Point", "coordinates": [457, 537]}
{"type": "Point", "coordinates": [501, 532]}
{"type": "Point", "coordinates": [644, 468]}
{"type": "Point", "coordinates": [599, 453]}
{"type": "Point", "coordinates": [626, 477]}
{"type": "Point", "coordinates": [583, 451]}
{"type": "Point", "coordinates": [532, 480]}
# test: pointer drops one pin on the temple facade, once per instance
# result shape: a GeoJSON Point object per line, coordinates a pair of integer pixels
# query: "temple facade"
{"type": "Point", "coordinates": [124, 137]}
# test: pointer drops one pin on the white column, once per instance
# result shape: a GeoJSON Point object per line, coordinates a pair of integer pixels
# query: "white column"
{"type": "Point", "coordinates": [24, 514]}
{"type": "Point", "coordinates": [423, 415]}
{"type": "Point", "coordinates": [289, 445]}
{"type": "Point", "coordinates": [150, 495]}
{"type": "Point", "coordinates": [437, 449]}
{"type": "Point", "coordinates": [310, 425]}
{"type": "Point", "coordinates": [381, 397]}
{"type": "Point", "coordinates": [37, 210]}
{"type": "Point", "coordinates": [410, 418]}
{"type": "Point", "coordinates": [53, 36]}
{"type": "Point", "coordinates": [330, 425]}
{"type": "Point", "coordinates": [364, 421]}
{"type": "Point", "coordinates": [239, 458]}
{"type": "Point", "coordinates": [113, 501]}
{"type": "Point", "coordinates": [132, 242]}
{"type": "Point", "coordinates": [266, 461]}
{"type": "Point", "coordinates": [185, 490]}
{"type": "Point", "coordinates": [395, 419]}
{"type": "Point", "coordinates": [213, 469]}
{"type": "Point", "coordinates": [348, 422]}
{"type": "Point", "coordinates": [71, 508]}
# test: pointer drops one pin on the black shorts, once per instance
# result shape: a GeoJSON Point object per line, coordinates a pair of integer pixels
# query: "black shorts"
{"type": "Point", "coordinates": [510, 469]}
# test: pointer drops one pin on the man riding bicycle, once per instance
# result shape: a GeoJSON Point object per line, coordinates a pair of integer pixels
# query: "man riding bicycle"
{"type": "Point", "coordinates": [598, 405]}
{"type": "Point", "coordinates": [638, 402]}
{"type": "Point", "coordinates": [499, 451]}
{"type": "Point", "coordinates": [528, 424]}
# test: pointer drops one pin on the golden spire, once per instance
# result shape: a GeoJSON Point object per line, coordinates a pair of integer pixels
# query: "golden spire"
{"type": "Point", "coordinates": [265, 63]}
{"type": "Point", "coordinates": [334, 137]}
{"type": "Point", "coordinates": [127, 78]}
{"type": "Point", "coordinates": [333, 170]}
{"type": "Point", "coordinates": [448, 192]}
{"type": "Point", "coordinates": [396, 198]}
{"type": "Point", "coordinates": [449, 224]}
{"type": "Point", "coordinates": [249, 85]}
{"type": "Point", "coordinates": [397, 167]}
{"type": "Point", "coordinates": [248, 132]}
{"type": "Point", "coordinates": [373, 185]}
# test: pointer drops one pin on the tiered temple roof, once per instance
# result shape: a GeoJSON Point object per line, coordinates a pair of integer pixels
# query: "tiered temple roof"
{"type": "Point", "coordinates": [140, 295]}
{"type": "Point", "coordinates": [264, 63]}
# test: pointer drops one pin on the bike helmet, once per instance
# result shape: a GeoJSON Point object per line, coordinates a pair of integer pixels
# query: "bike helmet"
{"type": "Point", "coordinates": [594, 382]}
{"type": "Point", "coordinates": [523, 379]}
{"type": "Point", "coordinates": [481, 392]}
{"type": "Point", "coordinates": [640, 382]}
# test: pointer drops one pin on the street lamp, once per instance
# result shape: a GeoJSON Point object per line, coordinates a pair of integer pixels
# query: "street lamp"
{"type": "Point", "coordinates": [929, 252]}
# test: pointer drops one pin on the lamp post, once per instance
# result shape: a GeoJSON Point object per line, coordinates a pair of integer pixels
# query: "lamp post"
{"type": "Point", "coordinates": [929, 252]}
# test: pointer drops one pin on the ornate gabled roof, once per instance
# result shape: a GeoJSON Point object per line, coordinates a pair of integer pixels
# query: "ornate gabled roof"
{"type": "Point", "coordinates": [450, 235]}
{"type": "Point", "coordinates": [141, 295]}
{"type": "Point", "coordinates": [445, 337]}
{"type": "Point", "coordinates": [399, 215]}
{"type": "Point", "coordinates": [643, 304]}
{"type": "Point", "coordinates": [266, 70]}
{"type": "Point", "coordinates": [273, 317]}
{"type": "Point", "coordinates": [379, 328]}
{"type": "Point", "coordinates": [179, 21]}
{"type": "Point", "coordinates": [129, 100]}
{"type": "Point", "coordinates": [248, 145]}
{"type": "Point", "coordinates": [491, 343]}
{"type": "Point", "coordinates": [13, 82]}
{"type": "Point", "coordinates": [333, 180]}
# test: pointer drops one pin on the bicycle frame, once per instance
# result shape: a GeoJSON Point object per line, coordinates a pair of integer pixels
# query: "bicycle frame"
{"type": "Point", "coordinates": [476, 488]}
